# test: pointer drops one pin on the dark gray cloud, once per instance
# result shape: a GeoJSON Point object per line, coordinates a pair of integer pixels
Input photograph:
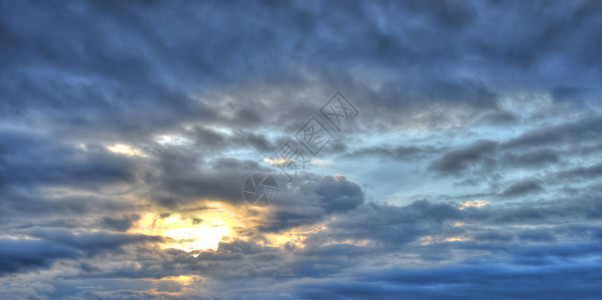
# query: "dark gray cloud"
{"type": "Point", "coordinates": [499, 118]}
{"type": "Point", "coordinates": [590, 172]}
{"type": "Point", "coordinates": [119, 224]}
{"type": "Point", "coordinates": [312, 201]}
{"type": "Point", "coordinates": [398, 153]}
{"type": "Point", "coordinates": [29, 158]}
{"type": "Point", "coordinates": [522, 188]}
{"type": "Point", "coordinates": [537, 158]}
{"type": "Point", "coordinates": [582, 130]}
{"type": "Point", "coordinates": [26, 255]}
{"type": "Point", "coordinates": [493, 282]}
{"type": "Point", "coordinates": [20, 256]}
{"type": "Point", "coordinates": [458, 160]}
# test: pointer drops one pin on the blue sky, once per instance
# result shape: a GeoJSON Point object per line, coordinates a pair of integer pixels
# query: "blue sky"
{"type": "Point", "coordinates": [472, 170]}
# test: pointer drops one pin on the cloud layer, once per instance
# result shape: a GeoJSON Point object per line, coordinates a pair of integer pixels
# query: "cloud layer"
{"type": "Point", "coordinates": [472, 170]}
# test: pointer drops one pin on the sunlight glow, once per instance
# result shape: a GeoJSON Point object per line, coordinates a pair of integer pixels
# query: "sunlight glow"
{"type": "Point", "coordinates": [125, 150]}
{"type": "Point", "coordinates": [321, 163]}
{"type": "Point", "coordinates": [189, 233]}
{"type": "Point", "coordinates": [176, 140]}
{"type": "Point", "coordinates": [456, 239]}
{"type": "Point", "coordinates": [295, 237]}
{"type": "Point", "coordinates": [278, 161]}
{"type": "Point", "coordinates": [182, 279]}
{"type": "Point", "coordinates": [475, 203]}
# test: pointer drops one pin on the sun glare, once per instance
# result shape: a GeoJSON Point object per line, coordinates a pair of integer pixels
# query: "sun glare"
{"type": "Point", "coordinates": [126, 150]}
{"type": "Point", "coordinates": [202, 232]}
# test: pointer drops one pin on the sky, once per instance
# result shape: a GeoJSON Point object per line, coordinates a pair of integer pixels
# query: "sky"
{"type": "Point", "coordinates": [469, 169]}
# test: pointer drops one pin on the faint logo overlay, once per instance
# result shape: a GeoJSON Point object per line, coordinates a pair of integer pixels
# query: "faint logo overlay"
{"type": "Point", "coordinates": [314, 136]}
{"type": "Point", "coordinates": [288, 159]}
{"type": "Point", "coordinates": [338, 110]}
{"type": "Point", "coordinates": [338, 113]}
{"type": "Point", "coordinates": [260, 189]}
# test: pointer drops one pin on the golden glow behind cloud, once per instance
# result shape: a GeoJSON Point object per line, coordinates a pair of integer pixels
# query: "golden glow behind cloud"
{"type": "Point", "coordinates": [279, 161]}
{"type": "Point", "coordinates": [475, 203]}
{"type": "Point", "coordinates": [125, 150]}
{"type": "Point", "coordinates": [201, 232]}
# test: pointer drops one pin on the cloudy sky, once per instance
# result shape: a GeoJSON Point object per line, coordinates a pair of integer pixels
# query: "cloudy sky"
{"type": "Point", "coordinates": [472, 169]}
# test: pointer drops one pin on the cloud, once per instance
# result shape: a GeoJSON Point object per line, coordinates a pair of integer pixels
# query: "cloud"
{"type": "Point", "coordinates": [537, 158]}
{"type": "Point", "coordinates": [455, 283]}
{"type": "Point", "coordinates": [51, 245]}
{"type": "Point", "coordinates": [311, 202]}
{"type": "Point", "coordinates": [119, 224]}
{"type": "Point", "coordinates": [401, 152]}
{"type": "Point", "coordinates": [568, 132]}
{"type": "Point", "coordinates": [19, 256]}
{"type": "Point", "coordinates": [458, 160]}
{"type": "Point", "coordinates": [522, 188]}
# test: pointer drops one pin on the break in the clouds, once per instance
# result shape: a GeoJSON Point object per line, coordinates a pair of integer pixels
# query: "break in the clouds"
{"type": "Point", "coordinates": [472, 171]}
